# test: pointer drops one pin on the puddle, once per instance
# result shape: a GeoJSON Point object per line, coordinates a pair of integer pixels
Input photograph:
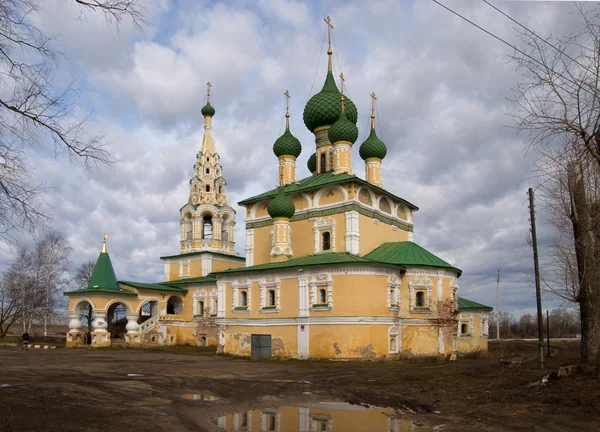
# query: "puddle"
{"type": "Point", "coordinates": [135, 375]}
{"type": "Point", "coordinates": [200, 396]}
{"type": "Point", "coordinates": [320, 416]}
{"type": "Point", "coordinates": [6, 385]}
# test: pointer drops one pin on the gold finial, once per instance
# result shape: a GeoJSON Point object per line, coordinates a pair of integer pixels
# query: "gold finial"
{"type": "Point", "coordinates": [287, 109]}
{"type": "Point", "coordinates": [104, 244]}
{"type": "Point", "coordinates": [329, 51]}
{"type": "Point", "coordinates": [342, 82]}
{"type": "Point", "coordinates": [373, 99]}
{"type": "Point", "coordinates": [342, 102]}
{"type": "Point", "coordinates": [208, 86]}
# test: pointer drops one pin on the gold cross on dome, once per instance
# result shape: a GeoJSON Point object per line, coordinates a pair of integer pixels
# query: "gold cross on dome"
{"type": "Point", "coordinates": [287, 108]}
{"type": "Point", "coordinates": [329, 28]}
{"type": "Point", "coordinates": [208, 86]}
{"type": "Point", "coordinates": [104, 243]}
{"type": "Point", "coordinates": [342, 79]}
{"type": "Point", "coordinates": [373, 99]}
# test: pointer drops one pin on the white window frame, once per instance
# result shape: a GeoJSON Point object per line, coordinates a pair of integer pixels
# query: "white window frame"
{"type": "Point", "coordinates": [393, 333]}
{"type": "Point", "coordinates": [263, 419]}
{"type": "Point", "coordinates": [393, 285]}
{"type": "Point", "coordinates": [321, 281]}
{"type": "Point", "coordinates": [265, 286]}
{"type": "Point", "coordinates": [199, 295]}
{"type": "Point", "coordinates": [468, 320]}
{"type": "Point", "coordinates": [420, 284]}
{"type": "Point", "coordinates": [184, 269]}
{"type": "Point", "coordinates": [320, 226]}
{"type": "Point", "coordinates": [484, 320]}
{"type": "Point", "coordinates": [236, 288]}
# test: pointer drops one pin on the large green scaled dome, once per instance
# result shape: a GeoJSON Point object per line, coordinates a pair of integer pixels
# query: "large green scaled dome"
{"type": "Point", "coordinates": [281, 206]}
{"type": "Point", "coordinates": [343, 130]}
{"type": "Point", "coordinates": [312, 163]}
{"type": "Point", "coordinates": [208, 110]}
{"type": "Point", "coordinates": [287, 144]}
{"type": "Point", "coordinates": [373, 147]}
{"type": "Point", "coordinates": [323, 109]}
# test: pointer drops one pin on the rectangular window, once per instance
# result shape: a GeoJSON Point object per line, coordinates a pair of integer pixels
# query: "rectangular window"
{"type": "Point", "coordinates": [201, 308]}
{"type": "Point", "coordinates": [244, 298]}
{"type": "Point", "coordinates": [326, 241]}
{"type": "Point", "coordinates": [271, 298]}
{"type": "Point", "coordinates": [420, 299]}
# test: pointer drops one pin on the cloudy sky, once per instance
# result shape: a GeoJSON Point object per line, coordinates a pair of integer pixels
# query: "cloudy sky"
{"type": "Point", "coordinates": [441, 84]}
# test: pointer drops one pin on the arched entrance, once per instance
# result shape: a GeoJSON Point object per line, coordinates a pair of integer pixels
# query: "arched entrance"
{"type": "Point", "coordinates": [147, 311]}
{"type": "Point", "coordinates": [174, 306]}
{"type": "Point", "coordinates": [80, 324]}
{"type": "Point", "coordinates": [117, 321]}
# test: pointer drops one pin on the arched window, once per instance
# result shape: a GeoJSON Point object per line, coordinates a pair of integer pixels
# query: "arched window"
{"type": "Point", "coordinates": [243, 298]}
{"type": "Point", "coordinates": [393, 301]}
{"type": "Point", "coordinates": [322, 296]}
{"type": "Point", "coordinates": [207, 227]}
{"type": "Point", "coordinates": [220, 189]}
{"type": "Point", "coordinates": [326, 243]}
{"type": "Point", "coordinates": [225, 230]}
{"type": "Point", "coordinates": [174, 306]}
{"type": "Point", "coordinates": [207, 188]}
{"type": "Point", "coordinates": [420, 302]}
{"type": "Point", "coordinates": [207, 170]}
{"type": "Point", "coordinates": [188, 227]}
{"type": "Point", "coordinates": [323, 162]}
{"type": "Point", "coordinates": [271, 298]}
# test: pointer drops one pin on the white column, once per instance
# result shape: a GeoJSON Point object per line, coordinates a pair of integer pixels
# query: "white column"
{"type": "Point", "coordinates": [440, 285]}
{"type": "Point", "coordinates": [249, 247]}
{"type": "Point", "coordinates": [221, 300]}
{"type": "Point", "coordinates": [352, 233]}
{"type": "Point", "coordinates": [303, 419]}
{"type": "Point", "coordinates": [132, 326]}
{"type": "Point", "coordinates": [75, 323]}
{"type": "Point", "coordinates": [303, 296]}
{"type": "Point", "coordinates": [99, 323]}
{"type": "Point", "coordinates": [166, 270]}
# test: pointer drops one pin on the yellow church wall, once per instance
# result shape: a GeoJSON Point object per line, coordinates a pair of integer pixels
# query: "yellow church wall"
{"type": "Point", "coordinates": [373, 234]}
{"type": "Point", "coordinates": [262, 244]}
{"type": "Point", "coordinates": [238, 340]}
{"type": "Point", "coordinates": [419, 340]}
{"type": "Point", "coordinates": [219, 265]}
{"type": "Point", "coordinates": [354, 341]}
{"type": "Point", "coordinates": [358, 295]}
{"type": "Point", "coordinates": [474, 341]}
{"type": "Point", "coordinates": [173, 271]}
{"type": "Point", "coordinates": [330, 196]}
{"type": "Point", "coordinates": [288, 292]}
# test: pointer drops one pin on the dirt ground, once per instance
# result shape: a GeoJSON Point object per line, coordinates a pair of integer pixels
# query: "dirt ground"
{"type": "Point", "coordinates": [90, 390]}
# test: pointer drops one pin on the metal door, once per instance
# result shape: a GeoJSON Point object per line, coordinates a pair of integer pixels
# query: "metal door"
{"type": "Point", "coordinates": [261, 347]}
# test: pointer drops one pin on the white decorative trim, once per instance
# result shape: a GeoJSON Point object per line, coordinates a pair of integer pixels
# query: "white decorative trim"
{"type": "Point", "coordinates": [465, 318]}
{"type": "Point", "coordinates": [303, 299]}
{"type": "Point", "coordinates": [411, 236]}
{"type": "Point", "coordinates": [321, 281]}
{"type": "Point", "coordinates": [221, 298]}
{"type": "Point", "coordinates": [421, 283]}
{"type": "Point", "coordinates": [440, 284]}
{"type": "Point", "coordinates": [236, 288]}
{"type": "Point", "coordinates": [166, 271]}
{"type": "Point", "coordinates": [184, 269]}
{"type": "Point", "coordinates": [352, 232]}
{"type": "Point", "coordinates": [484, 321]}
{"type": "Point", "coordinates": [249, 247]}
{"type": "Point", "coordinates": [393, 296]}
{"type": "Point", "coordinates": [327, 320]}
{"type": "Point", "coordinates": [265, 285]}
{"type": "Point", "coordinates": [393, 340]}
{"type": "Point", "coordinates": [321, 225]}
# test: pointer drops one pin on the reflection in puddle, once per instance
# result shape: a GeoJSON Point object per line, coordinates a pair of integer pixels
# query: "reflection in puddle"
{"type": "Point", "coordinates": [200, 396]}
{"type": "Point", "coordinates": [319, 417]}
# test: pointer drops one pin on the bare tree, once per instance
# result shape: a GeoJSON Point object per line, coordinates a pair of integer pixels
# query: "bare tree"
{"type": "Point", "coordinates": [34, 110]}
{"type": "Point", "coordinates": [10, 306]}
{"type": "Point", "coordinates": [51, 265]}
{"type": "Point", "coordinates": [557, 102]}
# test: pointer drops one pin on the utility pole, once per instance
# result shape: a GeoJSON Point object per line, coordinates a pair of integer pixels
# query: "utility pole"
{"type": "Point", "coordinates": [548, 331]}
{"type": "Point", "coordinates": [536, 267]}
{"type": "Point", "coordinates": [498, 307]}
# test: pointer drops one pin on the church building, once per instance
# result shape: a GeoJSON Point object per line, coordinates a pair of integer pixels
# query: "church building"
{"type": "Point", "coordinates": [331, 269]}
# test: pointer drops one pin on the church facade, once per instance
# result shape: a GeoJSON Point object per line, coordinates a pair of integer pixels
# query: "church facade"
{"type": "Point", "coordinates": [330, 269]}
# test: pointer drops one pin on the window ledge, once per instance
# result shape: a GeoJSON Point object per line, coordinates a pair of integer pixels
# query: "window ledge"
{"type": "Point", "coordinates": [395, 308]}
{"type": "Point", "coordinates": [419, 310]}
{"type": "Point", "coordinates": [269, 309]}
{"type": "Point", "coordinates": [197, 317]}
{"type": "Point", "coordinates": [319, 252]}
{"type": "Point", "coordinates": [466, 336]}
{"type": "Point", "coordinates": [320, 307]}
{"type": "Point", "coordinates": [240, 309]}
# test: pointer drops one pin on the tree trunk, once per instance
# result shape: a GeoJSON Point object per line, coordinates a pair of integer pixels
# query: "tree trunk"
{"type": "Point", "coordinates": [588, 299]}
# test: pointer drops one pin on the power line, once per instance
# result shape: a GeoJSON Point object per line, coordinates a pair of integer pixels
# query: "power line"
{"type": "Point", "coordinates": [533, 33]}
{"type": "Point", "coordinates": [318, 64]}
{"type": "Point", "coordinates": [513, 47]}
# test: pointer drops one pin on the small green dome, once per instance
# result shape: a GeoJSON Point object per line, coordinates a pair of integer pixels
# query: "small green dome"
{"type": "Point", "coordinates": [343, 130]}
{"type": "Point", "coordinates": [312, 163]}
{"type": "Point", "coordinates": [287, 144]}
{"type": "Point", "coordinates": [208, 110]}
{"type": "Point", "coordinates": [373, 147]}
{"type": "Point", "coordinates": [281, 206]}
{"type": "Point", "coordinates": [323, 109]}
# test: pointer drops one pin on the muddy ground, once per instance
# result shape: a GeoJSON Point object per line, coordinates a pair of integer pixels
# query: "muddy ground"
{"type": "Point", "coordinates": [90, 390]}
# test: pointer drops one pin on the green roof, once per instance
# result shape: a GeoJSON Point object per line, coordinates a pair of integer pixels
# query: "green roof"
{"type": "Point", "coordinates": [407, 254]}
{"type": "Point", "coordinates": [334, 258]}
{"type": "Point", "coordinates": [319, 180]}
{"type": "Point", "coordinates": [103, 276]}
{"type": "Point", "coordinates": [203, 279]}
{"type": "Point", "coordinates": [152, 286]}
{"type": "Point", "coordinates": [101, 291]}
{"type": "Point", "coordinates": [463, 304]}
{"type": "Point", "coordinates": [323, 109]}
{"type": "Point", "coordinates": [287, 144]}
{"type": "Point", "coordinates": [281, 206]}
{"type": "Point", "coordinates": [373, 147]}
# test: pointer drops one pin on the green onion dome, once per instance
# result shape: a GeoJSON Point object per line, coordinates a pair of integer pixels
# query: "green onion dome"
{"type": "Point", "coordinates": [343, 130]}
{"type": "Point", "coordinates": [287, 144]}
{"type": "Point", "coordinates": [208, 110]}
{"type": "Point", "coordinates": [323, 109]}
{"type": "Point", "coordinates": [373, 147]}
{"type": "Point", "coordinates": [312, 163]}
{"type": "Point", "coordinates": [281, 206]}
